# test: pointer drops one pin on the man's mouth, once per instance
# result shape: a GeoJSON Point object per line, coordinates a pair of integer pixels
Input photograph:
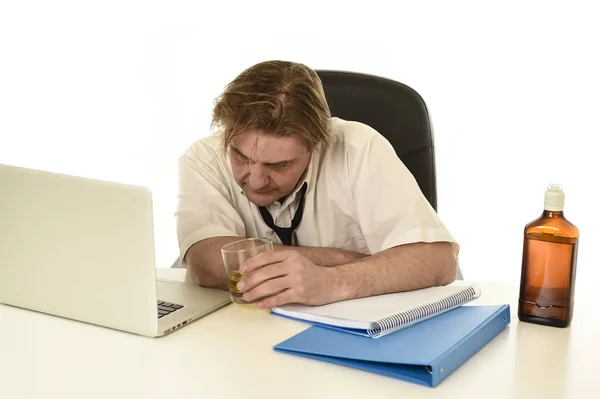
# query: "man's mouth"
{"type": "Point", "coordinates": [262, 192]}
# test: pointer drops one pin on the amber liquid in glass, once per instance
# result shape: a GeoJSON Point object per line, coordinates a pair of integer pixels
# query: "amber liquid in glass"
{"type": "Point", "coordinates": [548, 271]}
{"type": "Point", "coordinates": [233, 279]}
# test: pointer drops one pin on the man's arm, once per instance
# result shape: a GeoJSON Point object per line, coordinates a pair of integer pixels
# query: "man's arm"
{"type": "Point", "coordinates": [325, 256]}
{"type": "Point", "coordinates": [205, 263]}
{"type": "Point", "coordinates": [287, 277]}
{"type": "Point", "coordinates": [403, 268]}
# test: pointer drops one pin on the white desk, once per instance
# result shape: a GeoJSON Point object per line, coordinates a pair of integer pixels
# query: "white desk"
{"type": "Point", "coordinates": [228, 354]}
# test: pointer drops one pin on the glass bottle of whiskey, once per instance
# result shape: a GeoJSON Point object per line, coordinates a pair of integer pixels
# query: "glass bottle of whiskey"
{"type": "Point", "coordinates": [549, 265]}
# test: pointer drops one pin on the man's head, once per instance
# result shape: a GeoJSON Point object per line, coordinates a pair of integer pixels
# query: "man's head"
{"type": "Point", "coordinates": [272, 117]}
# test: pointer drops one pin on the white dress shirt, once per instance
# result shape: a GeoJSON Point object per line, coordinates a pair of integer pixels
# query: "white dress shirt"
{"type": "Point", "coordinates": [360, 197]}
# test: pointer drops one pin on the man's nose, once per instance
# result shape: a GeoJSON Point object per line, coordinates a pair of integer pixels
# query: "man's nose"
{"type": "Point", "coordinates": [258, 177]}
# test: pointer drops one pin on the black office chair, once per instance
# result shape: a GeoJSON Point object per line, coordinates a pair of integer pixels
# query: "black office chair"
{"type": "Point", "coordinates": [394, 110]}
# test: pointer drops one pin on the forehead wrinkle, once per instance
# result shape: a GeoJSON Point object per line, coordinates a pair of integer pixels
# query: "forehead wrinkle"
{"type": "Point", "coordinates": [254, 154]}
{"type": "Point", "coordinates": [266, 152]}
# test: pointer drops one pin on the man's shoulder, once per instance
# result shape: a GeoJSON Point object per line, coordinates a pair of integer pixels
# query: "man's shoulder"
{"type": "Point", "coordinates": [205, 149]}
{"type": "Point", "coordinates": [206, 157]}
{"type": "Point", "coordinates": [352, 135]}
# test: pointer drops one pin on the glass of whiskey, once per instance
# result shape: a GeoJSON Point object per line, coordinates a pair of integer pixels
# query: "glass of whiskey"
{"type": "Point", "coordinates": [234, 256]}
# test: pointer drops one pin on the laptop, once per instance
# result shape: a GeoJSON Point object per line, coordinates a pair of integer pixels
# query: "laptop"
{"type": "Point", "coordinates": [83, 249]}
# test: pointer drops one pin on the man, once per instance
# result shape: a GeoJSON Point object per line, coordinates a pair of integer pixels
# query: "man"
{"type": "Point", "coordinates": [348, 218]}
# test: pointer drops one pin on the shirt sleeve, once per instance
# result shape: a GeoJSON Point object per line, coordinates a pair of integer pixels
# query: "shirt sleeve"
{"type": "Point", "coordinates": [204, 207]}
{"type": "Point", "coordinates": [390, 206]}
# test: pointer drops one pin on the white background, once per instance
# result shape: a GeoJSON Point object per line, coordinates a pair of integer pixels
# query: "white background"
{"type": "Point", "coordinates": [117, 90]}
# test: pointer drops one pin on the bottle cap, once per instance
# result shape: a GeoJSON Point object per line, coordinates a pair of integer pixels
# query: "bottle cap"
{"type": "Point", "coordinates": [554, 200]}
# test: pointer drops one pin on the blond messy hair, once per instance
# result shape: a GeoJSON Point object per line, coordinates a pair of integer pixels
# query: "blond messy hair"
{"type": "Point", "coordinates": [277, 98]}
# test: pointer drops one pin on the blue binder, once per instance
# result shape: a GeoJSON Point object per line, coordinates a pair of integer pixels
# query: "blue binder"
{"type": "Point", "coordinates": [425, 353]}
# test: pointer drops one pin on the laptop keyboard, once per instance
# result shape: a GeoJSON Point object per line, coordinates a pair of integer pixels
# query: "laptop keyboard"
{"type": "Point", "coordinates": [165, 308]}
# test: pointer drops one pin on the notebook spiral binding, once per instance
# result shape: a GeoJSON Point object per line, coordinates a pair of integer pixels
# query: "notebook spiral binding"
{"type": "Point", "coordinates": [422, 312]}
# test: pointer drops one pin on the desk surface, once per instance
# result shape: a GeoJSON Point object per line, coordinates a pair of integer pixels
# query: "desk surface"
{"type": "Point", "coordinates": [228, 354]}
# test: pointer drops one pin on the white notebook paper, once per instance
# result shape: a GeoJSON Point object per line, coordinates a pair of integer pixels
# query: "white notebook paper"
{"type": "Point", "coordinates": [378, 315]}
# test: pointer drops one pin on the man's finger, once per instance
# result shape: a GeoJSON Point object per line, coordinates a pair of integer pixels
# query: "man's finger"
{"type": "Point", "coordinates": [283, 298]}
{"type": "Point", "coordinates": [261, 275]}
{"type": "Point", "coordinates": [263, 259]}
{"type": "Point", "coordinates": [268, 288]}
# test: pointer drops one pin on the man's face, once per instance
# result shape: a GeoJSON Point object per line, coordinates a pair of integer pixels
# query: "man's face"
{"type": "Point", "coordinates": [267, 168]}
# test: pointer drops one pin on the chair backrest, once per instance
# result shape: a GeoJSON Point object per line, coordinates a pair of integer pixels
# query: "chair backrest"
{"type": "Point", "coordinates": [394, 110]}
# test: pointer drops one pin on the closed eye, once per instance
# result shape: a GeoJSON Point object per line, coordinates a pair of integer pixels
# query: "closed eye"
{"type": "Point", "coordinates": [241, 156]}
{"type": "Point", "coordinates": [278, 166]}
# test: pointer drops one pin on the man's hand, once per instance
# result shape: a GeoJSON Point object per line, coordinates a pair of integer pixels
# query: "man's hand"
{"type": "Point", "coordinates": [280, 277]}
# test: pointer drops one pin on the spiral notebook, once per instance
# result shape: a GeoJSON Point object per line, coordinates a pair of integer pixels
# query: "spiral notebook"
{"type": "Point", "coordinates": [380, 315]}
